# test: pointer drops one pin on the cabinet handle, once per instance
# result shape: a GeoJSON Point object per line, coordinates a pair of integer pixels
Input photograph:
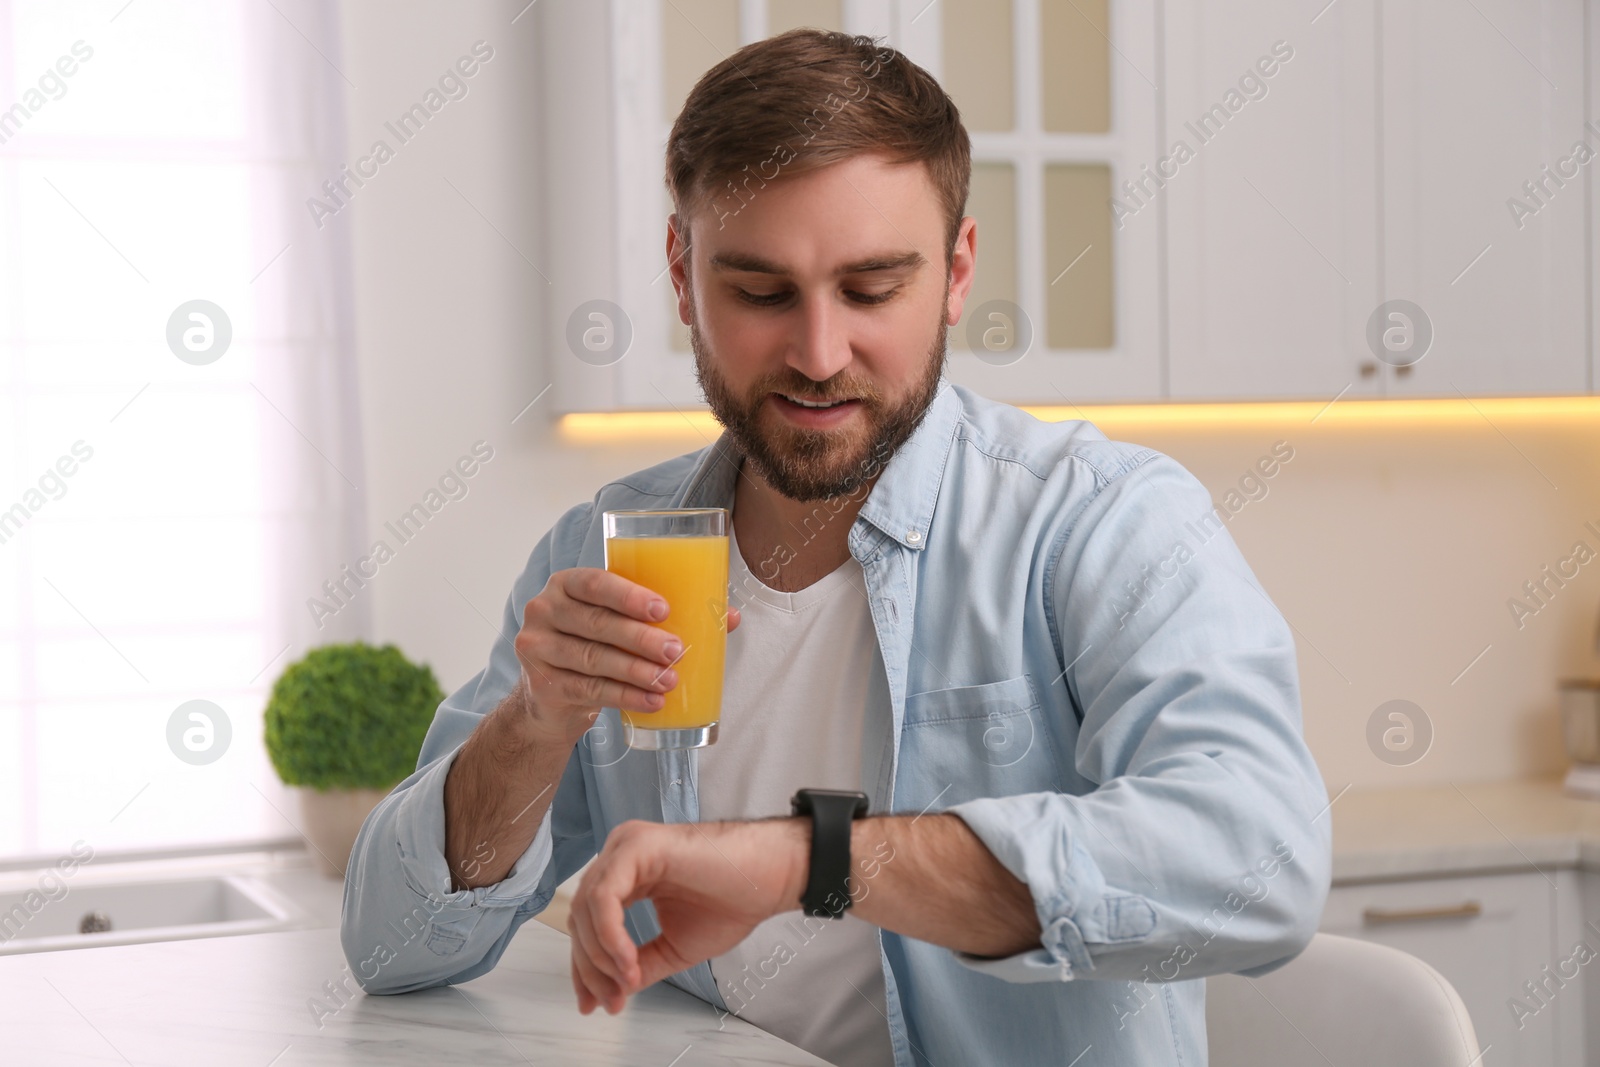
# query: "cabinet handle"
{"type": "Point", "coordinates": [1368, 368]}
{"type": "Point", "coordinates": [1467, 910]}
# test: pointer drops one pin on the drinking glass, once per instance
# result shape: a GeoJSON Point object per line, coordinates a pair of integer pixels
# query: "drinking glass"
{"type": "Point", "coordinates": [682, 555]}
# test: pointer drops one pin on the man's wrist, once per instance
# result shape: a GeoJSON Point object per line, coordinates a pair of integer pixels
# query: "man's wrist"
{"type": "Point", "coordinates": [870, 851]}
{"type": "Point", "coordinates": [523, 735]}
{"type": "Point", "coordinates": [833, 814]}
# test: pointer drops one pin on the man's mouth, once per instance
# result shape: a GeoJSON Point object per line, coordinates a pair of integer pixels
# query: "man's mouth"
{"type": "Point", "coordinates": [815, 403]}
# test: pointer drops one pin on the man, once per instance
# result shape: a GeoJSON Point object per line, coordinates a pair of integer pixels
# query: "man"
{"type": "Point", "coordinates": [1086, 782]}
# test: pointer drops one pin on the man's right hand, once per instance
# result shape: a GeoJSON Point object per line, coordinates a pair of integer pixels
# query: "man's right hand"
{"type": "Point", "coordinates": [590, 640]}
{"type": "Point", "coordinates": [587, 641]}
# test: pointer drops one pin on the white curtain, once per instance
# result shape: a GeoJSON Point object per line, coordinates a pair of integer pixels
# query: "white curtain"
{"type": "Point", "coordinates": [167, 512]}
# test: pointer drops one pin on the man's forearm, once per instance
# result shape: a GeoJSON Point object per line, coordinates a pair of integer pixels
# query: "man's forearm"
{"type": "Point", "coordinates": [930, 877]}
{"type": "Point", "coordinates": [499, 787]}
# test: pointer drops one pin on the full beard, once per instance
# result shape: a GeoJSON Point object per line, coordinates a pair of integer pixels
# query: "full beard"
{"type": "Point", "coordinates": [808, 464]}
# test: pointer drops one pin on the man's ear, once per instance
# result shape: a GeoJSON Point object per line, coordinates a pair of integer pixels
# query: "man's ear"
{"type": "Point", "coordinates": [678, 264]}
{"type": "Point", "coordinates": [963, 268]}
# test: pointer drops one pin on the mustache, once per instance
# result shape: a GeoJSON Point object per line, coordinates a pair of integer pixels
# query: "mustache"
{"type": "Point", "coordinates": [812, 393]}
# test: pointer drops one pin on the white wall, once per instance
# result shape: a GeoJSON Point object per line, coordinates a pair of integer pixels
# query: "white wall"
{"type": "Point", "coordinates": [448, 312]}
{"type": "Point", "coordinates": [1391, 551]}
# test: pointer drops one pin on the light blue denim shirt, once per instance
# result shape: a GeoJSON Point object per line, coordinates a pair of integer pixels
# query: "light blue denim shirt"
{"type": "Point", "coordinates": [1082, 667]}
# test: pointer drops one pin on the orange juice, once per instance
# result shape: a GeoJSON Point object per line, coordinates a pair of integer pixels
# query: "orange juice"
{"type": "Point", "coordinates": [691, 575]}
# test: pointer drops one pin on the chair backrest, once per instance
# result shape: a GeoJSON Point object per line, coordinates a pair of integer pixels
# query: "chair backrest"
{"type": "Point", "coordinates": [1343, 1001]}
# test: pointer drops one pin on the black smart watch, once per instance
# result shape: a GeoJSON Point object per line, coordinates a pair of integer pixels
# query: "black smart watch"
{"type": "Point", "coordinates": [828, 884]}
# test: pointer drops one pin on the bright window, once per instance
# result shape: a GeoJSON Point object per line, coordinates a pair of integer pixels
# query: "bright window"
{"type": "Point", "coordinates": [165, 511]}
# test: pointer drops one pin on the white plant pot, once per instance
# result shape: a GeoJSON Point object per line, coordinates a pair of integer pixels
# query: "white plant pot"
{"type": "Point", "coordinates": [330, 820]}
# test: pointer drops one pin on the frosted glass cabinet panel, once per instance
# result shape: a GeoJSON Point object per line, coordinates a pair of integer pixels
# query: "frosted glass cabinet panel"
{"type": "Point", "coordinates": [787, 14]}
{"type": "Point", "coordinates": [1075, 58]}
{"type": "Point", "coordinates": [696, 35]}
{"type": "Point", "coordinates": [979, 73]}
{"type": "Point", "coordinates": [992, 201]}
{"type": "Point", "coordinates": [1078, 252]}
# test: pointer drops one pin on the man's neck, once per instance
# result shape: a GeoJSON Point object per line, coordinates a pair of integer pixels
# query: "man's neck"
{"type": "Point", "coordinates": [789, 544]}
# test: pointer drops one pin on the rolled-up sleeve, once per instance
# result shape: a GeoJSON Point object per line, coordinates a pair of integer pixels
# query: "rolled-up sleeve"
{"type": "Point", "coordinates": [403, 927]}
{"type": "Point", "coordinates": [1204, 846]}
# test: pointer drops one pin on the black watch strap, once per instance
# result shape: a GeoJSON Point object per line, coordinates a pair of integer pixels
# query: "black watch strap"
{"type": "Point", "coordinates": [832, 810]}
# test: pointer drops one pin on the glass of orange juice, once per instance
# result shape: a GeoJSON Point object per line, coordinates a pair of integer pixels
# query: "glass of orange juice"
{"type": "Point", "coordinates": [681, 554]}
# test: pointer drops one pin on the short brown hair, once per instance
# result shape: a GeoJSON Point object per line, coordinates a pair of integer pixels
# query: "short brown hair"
{"type": "Point", "coordinates": [805, 99]}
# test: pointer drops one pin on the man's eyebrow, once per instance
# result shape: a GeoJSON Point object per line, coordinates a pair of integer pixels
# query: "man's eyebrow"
{"type": "Point", "coordinates": [753, 264]}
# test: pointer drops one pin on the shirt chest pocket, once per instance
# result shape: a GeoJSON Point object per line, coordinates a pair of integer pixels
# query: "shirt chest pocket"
{"type": "Point", "coordinates": [974, 741]}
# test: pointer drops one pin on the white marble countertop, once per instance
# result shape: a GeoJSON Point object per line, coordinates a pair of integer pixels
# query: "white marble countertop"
{"type": "Point", "coordinates": [245, 1002]}
{"type": "Point", "coordinates": [1446, 830]}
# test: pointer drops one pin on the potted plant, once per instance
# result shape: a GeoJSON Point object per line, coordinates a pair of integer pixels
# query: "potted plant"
{"type": "Point", "coordinates": [344, 724]}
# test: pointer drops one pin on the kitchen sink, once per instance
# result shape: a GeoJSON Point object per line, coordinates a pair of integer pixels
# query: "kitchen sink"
{"type": "Point", "coordinates": [58, 914]}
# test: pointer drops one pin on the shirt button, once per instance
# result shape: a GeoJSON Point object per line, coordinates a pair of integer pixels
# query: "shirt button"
{"type": "Point", "coordinates": [913, 536]}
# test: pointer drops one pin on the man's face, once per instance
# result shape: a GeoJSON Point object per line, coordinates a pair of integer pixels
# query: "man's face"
{"type": "Point", "coordinates": [826, 286]}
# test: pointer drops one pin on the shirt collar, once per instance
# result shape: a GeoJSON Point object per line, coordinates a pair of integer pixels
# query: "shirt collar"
{"type": "Point", "coordinates": [902, 500]}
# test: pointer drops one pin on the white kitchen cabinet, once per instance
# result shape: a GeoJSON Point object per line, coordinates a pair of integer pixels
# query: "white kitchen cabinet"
{"type": "Point", "coordinates": [1056, 225]}
{"type": "Point", "coordinates": [1272, 240]}
{"type": "Point", "coordinates": [613, 79]}
{"type": "Point", "coordinates": [1477, 100]}
{"type": "Point", "coordinates": [1380, 165]}
{"type": "Point", "coordinates": [1488, 934]}
{"type": "Point", "coordinates": [1377, 161]}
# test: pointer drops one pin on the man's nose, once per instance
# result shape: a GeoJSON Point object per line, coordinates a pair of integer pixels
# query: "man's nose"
{"type": "Point", "coordinates": [821, 345]}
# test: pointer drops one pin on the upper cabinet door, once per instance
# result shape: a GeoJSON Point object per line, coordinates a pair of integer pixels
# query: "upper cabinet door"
{"type": "Point", "coordinates": [1270, 187]}
{"type": "Point", "coordinates": [1484, 154]}
{"type": "Point", "coordinates": [1060, 99]}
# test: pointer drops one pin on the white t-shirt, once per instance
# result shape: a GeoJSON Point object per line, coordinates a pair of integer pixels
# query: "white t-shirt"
{"type": "Point", "coordinates": [805, 703]}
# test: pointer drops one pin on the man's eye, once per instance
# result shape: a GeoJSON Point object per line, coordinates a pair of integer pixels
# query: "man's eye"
{"type": "Point", "coordinates": [773, 299]}
{"type": "Point", "coordinates": [760, 299]}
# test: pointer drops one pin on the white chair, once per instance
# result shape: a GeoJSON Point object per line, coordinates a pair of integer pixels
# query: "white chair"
{"type": "Point", "coordinates": [1342, 1001]}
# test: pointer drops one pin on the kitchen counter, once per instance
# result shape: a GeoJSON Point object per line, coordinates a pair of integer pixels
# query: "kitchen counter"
{"type": "Point", "coordinates": [1450, 830]}
{"type": "Point", "coordinates": [249, 1001]}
